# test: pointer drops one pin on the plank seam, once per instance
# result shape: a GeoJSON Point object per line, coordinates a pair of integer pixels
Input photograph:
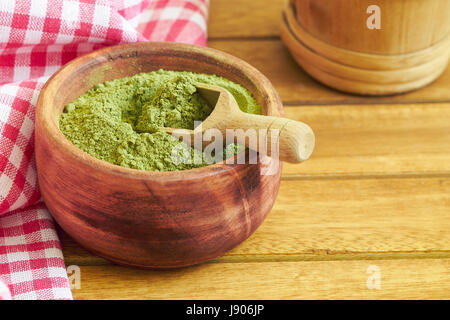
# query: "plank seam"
{"type": "Point", "coordinates": [375, 102]}
{"type": "Point", "coordinates": [245, 38]}
{"type": "Point", "coordinates": [370, 176]}
{"type": "Point", "coordinates": [294, 257]}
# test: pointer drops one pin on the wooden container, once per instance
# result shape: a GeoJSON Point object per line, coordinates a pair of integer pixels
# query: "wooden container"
{"type": "Point", "coordinates": [142, 218]}
{"type": "Point", "coordinates": [331, 40]}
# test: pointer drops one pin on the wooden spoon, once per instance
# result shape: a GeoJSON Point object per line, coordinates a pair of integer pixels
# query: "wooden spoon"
{"type": "Point", "coordinates": [295, 139]}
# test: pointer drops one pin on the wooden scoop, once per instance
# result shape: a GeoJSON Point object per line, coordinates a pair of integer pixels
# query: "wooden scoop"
{"type": "Point", "coordinates": [296, 139]}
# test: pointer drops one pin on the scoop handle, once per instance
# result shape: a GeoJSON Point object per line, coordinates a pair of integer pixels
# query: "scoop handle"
{"type": "Point", "coordinates": [295, 139]}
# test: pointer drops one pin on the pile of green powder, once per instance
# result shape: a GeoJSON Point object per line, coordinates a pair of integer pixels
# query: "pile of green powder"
{"type": "Point", "coordinates": [119, 121]}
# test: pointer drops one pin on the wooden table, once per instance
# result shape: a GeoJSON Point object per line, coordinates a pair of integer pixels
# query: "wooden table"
{"type": "Point", "coordinates": [372, 203]}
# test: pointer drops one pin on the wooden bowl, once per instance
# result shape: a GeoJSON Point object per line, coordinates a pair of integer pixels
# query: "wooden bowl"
{"type": "Point", "coordinates": [143, 218]}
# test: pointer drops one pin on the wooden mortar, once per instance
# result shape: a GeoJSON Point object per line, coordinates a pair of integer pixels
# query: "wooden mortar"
{"type": "Point", "coordinates": [331, 41]}
{"type": "Point", "coordinates": [406, 25]}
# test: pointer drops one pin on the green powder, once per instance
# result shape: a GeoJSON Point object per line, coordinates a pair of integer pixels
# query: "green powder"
{"type": "Point", "coordinates": [119, 121]}
{"type": "Point", "coordinates": [176, 104]}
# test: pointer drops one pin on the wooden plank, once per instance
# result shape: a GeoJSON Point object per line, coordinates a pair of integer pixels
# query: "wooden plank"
{"type": "Point", "coordinates": [297, 88]}
{"type": "Point", "coordinates": [367, 140]}
{"type": "Point", "coordinates": [356, 216]}
{"type": "Point", "coordinates": [248, 18]}
{"type": "Point", "coordinates": [362, 140]}
{"type": "Point", "coordinates": [398, 279]}
{"type": "Point", "coordinates": [338, 219]}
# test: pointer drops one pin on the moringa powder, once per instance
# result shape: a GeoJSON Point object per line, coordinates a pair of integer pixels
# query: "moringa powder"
{"type": "Point", "coordinates": [119, 121]}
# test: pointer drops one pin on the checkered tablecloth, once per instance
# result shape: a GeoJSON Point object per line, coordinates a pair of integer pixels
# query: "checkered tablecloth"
{"type": "Point", "coordinates": [36, 38]}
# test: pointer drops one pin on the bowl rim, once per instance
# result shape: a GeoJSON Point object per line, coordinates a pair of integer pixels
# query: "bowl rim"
{"type": "Point", "coordinates": [57, 138]}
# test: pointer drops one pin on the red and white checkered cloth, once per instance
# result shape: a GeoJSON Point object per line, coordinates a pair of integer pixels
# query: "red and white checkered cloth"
{"type": "Point", "coordinates": [36, 38]}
